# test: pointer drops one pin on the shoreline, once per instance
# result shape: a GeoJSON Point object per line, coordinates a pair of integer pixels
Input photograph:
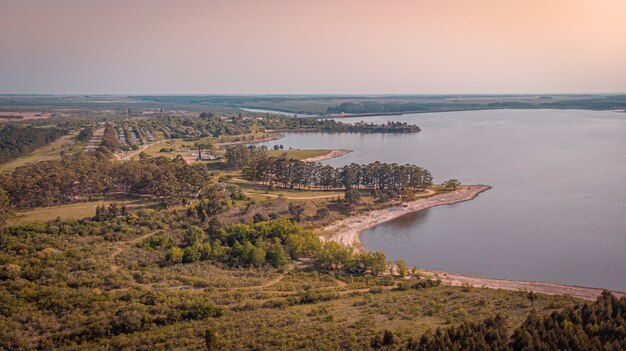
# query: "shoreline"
{"type": "Point", "coordinates": [332, 154]}
{"type": "Point", "coordinates": [348, 231]}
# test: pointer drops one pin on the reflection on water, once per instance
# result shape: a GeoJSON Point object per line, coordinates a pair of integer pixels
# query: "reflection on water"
{"type": "Point", "coordinates": [409, 220]}
{"type": "Point", "coordinates": [557, 210]}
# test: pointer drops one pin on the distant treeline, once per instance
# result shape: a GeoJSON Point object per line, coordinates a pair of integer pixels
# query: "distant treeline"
{"type": "Point", "coordinates": [205, 125]}
{"type": "Point", "coordinates": [290, 173]}
{"type": "Point", "coordinates": [16, 141]}
{"type": "Point", "coordinates": [597, 326]}
{"type": "Point", "coordinates": [57, 182]}
{"type": "Point", "coordinates": [612, 102]}
{"type": "Point", "coordinates": [328, 125]}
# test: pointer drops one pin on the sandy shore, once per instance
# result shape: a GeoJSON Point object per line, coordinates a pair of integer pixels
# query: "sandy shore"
{"type": "Point", "coordinates": [347, 232]}
{"type": "Point", "coordinates": [580, 292]}
{"type": "Point", "coordinates": [333, 154]}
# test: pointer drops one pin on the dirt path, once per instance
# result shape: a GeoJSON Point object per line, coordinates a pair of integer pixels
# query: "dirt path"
{"type": "Point", "coordinates": [123, 245]}
{"type": "Point", "coordinates": [95, 140]}
{"type": "Point", "coordinates": [296, 198]}
{"type": "Point", "coordinates": [347, 231]}
{"type": "Point", "coordinates": [130, 155]}
{"type": "Point", "coordinates": [333, 154]}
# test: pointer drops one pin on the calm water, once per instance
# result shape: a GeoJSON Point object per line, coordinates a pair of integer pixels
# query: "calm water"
{"type": "Point", "coordinates": [557, 210]}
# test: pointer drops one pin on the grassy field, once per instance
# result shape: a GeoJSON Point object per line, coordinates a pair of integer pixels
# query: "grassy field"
{"type": "Point", "coordinates": [51, 151]}
{"type": "Point", "coordinates": [77, 210]}
{"type": "Point", "coordinates": [298, 154]}
{"type": "Point", "coordinates": [178, 144]}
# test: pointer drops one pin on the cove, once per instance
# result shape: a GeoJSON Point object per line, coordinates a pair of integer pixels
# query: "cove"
{"type": "Point", "coordinates": [557, 210]}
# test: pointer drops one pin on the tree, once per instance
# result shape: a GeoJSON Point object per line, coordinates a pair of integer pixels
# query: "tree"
{"type": "Point", "coordinates": [175, 255]}
{"type": "Point", "coordinates": [402, 268]}
{"type": "Point", "coordinates": [352, 196]}
{"type": "Point", "coordinates": [6, 209]}
{"type": "Point", "coordinates": [211, 337]}
{"type": "Point", "coordinates": [258, 217]}
{"type": "Point", "coordinates": [256, 256]}
{"type": "Point", "coordinates": [452, 184]}
{"type": "Point", "coordinates": [296, 210]}
{"type": "Point", "coordinates": [322, 212]}
{"type": "Point", "coordinates": [202, 146]}
{"type": "Point", "coordinates": [378, 263]}
{"type": "Point", "coordinates": [276, 254]}
{"type": "Point", "coordinates": [192, 253]}
{"type": "Point", "coordinates": [532, 297]}
{"type": "Point", "coordinates": [194, 235]}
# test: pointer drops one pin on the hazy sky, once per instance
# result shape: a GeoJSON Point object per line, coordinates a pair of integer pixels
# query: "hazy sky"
{"type": "Point", "coordinates": [317, 46]}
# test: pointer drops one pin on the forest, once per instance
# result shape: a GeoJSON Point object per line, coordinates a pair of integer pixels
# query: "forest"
{"type": "Point", "coordinates": [290, 173]}
{"type": "Point", "coordinates": [16, 140]}
{"type": "Point", "coordinates": [84, 175]}
{"type": "Point", "coordinates": [593, 326]}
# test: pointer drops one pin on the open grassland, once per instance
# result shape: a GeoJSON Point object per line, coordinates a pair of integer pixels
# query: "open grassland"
{"type": "Point", "coordinates": [52, 151]}
{"type": "Point", "coordinates": [78, 210]}
{"type": "Point", "coordinates": [297, 154]}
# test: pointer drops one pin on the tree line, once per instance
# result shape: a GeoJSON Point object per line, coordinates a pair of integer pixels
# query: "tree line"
{"type": "Point", "coordinates": [66, 180]}
{"type": "Point", "coordinates": [591, 326]}
{"type": "Point", "coordinates": [16, 141]}
{"type": "Point", "coordinates": [329, 125]}
{"type": "Point", "coordinates": [274, 243]}
{"type": "Point", "coordinates": [110, 140]}
{"type": "Point", "coordinates": [291, 173]}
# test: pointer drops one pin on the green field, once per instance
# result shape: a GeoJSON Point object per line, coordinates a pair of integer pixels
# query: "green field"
{"type": "Point", "coordinates": [77, 210]}
{"type": "Point", "coordinates": [298, 154]}
{"type": "Point", "coordinates": [51, 151]}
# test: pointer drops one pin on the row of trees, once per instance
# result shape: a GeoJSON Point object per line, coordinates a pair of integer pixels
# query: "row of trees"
{"type": "Point", "coordinates": [110, 140]}
{"type": "Point", "coordinates": [291, 173]}
{"type": "Point", "coordinates": [57, 182]}
{"type": "Point", "coordinates": [329, 125]}
{"type": "Point", "coordinates": [16, 141]}
{"type": "Point", "coordinates": [592, 326]}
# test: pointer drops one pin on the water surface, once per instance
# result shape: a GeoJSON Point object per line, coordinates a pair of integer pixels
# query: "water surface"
{"type": "Point", "coordinates": [557, 210]}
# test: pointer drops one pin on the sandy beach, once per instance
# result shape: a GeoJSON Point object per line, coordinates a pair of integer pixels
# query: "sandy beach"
{"type": "Point", "coordinates": [348, 231]}
{"type": "Point", "coordinates": [333, 154]}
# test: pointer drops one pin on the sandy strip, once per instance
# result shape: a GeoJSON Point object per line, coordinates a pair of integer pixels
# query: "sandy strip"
{"type": "Point", "coordinates": [333, 154]}
{"type": "Point", "coordinates": [580, 292]}
{"type": "Point", "coordinates": [347, 231]}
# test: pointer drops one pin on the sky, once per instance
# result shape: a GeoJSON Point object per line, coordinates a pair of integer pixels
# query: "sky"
{"type": "Point", "coordinates": [312, 47]}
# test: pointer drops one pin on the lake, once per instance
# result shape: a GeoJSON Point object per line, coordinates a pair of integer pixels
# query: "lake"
{"type": "Point", "coordinates": [557, 210]}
